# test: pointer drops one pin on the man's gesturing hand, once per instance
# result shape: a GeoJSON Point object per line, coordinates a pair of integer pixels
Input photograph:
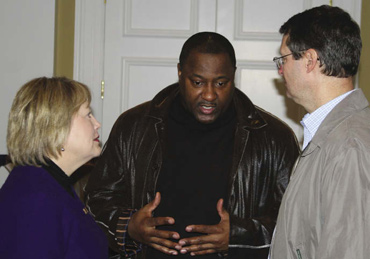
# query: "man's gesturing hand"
{"type": "Point", "coordinates": [215, 240]}
{"type": "Point", "coordinates": [142, 228]}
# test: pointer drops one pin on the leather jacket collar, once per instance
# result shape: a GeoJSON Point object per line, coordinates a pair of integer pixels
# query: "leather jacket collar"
{"type": "Point", "coordinates": [247, 114]}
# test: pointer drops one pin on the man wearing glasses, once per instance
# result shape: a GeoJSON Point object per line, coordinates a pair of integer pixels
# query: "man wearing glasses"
{"type": "Point", "coordinates": [325, 212]}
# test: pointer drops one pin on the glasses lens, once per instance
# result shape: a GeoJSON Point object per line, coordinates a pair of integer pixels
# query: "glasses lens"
{"type": "Point", "coordinates": [277, 62]}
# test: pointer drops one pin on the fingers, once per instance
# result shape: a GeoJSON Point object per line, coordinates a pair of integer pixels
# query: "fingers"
{"type": "Point", "coordinates": [145, 228]}
{"type": "Point", "coordinates": [198, 249]}
{"type": "Point", "coordinates": [205, 229]}
{"type": "Point", "coordinates": [142, 225]}
{"type": "Point", "coordinates": [201, 241]}
{"type": "Point", "coordinates": [164, 249]}
{"type": "Point", "coordinates": [163, 234]}
{"type": "Point", "coordinates": [165, 246]}
{"type": "Point", "coordinates": [203, 252]}
{"type": "Point", "coordinates": [142, 228]}
{"type": "Point", "coordinates": [204, 244]}
{"type": "Point", "coordinates": [222, 226]}
{"type": "Point", "coordinates": [159, 221]}
{"type": "Point", "coordinates": [216, 238]}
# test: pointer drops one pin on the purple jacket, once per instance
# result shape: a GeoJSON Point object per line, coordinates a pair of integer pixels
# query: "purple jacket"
{"type": "Point", "coordinates": [39, 219]}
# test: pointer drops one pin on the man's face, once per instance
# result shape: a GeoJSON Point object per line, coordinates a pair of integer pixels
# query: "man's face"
{"type": "Point", "coordinates": [293, 72]}
{"type": "Point", "coordinates": [206, 84]}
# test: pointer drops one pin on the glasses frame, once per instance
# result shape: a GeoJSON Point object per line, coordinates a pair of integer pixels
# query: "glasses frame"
{"type": "Point", "coordinates": [279, 61]}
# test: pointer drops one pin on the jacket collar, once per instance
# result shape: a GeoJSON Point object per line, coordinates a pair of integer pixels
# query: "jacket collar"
{"type": "Point", "coordinates": [353, 103]}
{"type": "Point", "coordinates": [248, 115]}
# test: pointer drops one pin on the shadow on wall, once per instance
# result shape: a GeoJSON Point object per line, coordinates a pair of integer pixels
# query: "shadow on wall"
{"type": "Point", "coordinates": [294, 112]}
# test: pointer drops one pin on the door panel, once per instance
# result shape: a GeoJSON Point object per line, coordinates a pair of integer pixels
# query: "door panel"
{"type": "Point", "coordinates": [143, 39]}
{"type": "Point", "coordinates": [142, 44]}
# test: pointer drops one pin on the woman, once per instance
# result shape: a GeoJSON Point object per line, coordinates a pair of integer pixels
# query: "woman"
{"type": "Point", "coordinates": [51, 133]}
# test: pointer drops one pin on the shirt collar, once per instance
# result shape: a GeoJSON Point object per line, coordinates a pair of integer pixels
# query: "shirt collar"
{"type": "Point", "coordinates": [312, 121]}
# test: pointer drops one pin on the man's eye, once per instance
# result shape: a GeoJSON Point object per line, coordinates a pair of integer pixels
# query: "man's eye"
{"type": "Point", "coordinates": [197, 83]}
{"type": "Point", "coordinates": [220, 83]}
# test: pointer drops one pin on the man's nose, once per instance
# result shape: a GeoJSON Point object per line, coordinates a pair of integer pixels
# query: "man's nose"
{"type": "Point", "coordinates": [209, 94]}
{"type": "Point", "coordinates": [280, 70]}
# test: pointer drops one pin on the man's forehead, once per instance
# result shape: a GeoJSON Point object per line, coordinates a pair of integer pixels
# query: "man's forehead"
{"type": "Point", "coordinates": [283, 45]}
{"type": "Point", "coordinates": [196, 58]}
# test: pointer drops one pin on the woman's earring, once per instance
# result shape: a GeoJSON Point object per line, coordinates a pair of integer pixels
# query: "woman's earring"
{"type": "Point", "coordinates": [62, 149]}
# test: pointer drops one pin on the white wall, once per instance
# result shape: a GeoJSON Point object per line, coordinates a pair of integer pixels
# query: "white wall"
{"type": "Point", "coordinates": [26, 52]}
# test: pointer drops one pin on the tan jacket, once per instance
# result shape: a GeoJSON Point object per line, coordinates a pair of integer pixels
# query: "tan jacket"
{"type": "Point", "coordinates": [325, 212]}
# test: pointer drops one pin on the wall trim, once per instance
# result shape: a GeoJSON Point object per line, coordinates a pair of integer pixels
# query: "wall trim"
{"type": "Point", "coordinates": [127, 62]}
{"type": "Point", "coordinates": [130, 30]}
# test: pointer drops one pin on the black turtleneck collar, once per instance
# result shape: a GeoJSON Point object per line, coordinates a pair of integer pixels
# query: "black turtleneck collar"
{"type": "Point", "coordinates": [60, 176]}
{"type": "Point", "coordinates": [182, 116]}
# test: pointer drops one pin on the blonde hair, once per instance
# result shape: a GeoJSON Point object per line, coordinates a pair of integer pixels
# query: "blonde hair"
{"type": "Point", "coordinates": [40, 118]}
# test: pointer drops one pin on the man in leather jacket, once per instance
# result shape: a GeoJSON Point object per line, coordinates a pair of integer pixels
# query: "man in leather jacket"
{"type": "Point", "coordinates": [197, 171]}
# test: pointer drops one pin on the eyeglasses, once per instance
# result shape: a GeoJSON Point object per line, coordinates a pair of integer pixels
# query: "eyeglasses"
{"type": "Point", "coordinates": [280, 61]}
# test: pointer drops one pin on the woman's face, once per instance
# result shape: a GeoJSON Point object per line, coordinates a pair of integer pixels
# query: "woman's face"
{"type": "Point", "coordinates": [83, 140]}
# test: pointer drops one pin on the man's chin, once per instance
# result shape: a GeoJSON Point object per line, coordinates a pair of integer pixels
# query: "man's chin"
{"type": "Point", "coordinates": [206, 119]}
{"type": "Point", "coordinates": [288, 95]}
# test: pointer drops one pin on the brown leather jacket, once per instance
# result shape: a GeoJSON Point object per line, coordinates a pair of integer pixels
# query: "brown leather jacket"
{"type": "Point", "coordinates": [126, 174]}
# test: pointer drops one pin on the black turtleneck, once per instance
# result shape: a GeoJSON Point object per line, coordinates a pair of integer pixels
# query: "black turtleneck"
{"type": "Point", "coordinates": [58, 174]}
{"type": "Point", "coordinates": [194, 173]}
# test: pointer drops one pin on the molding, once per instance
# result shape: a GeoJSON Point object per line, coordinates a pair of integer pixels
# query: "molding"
{"type": "Point", "coordinates": [88, 63]}
{"type": "Point", "coordinates": [131, 31]}
{"type": "Point", "coordinates": [251, 65]}
{"type": "Point", "coordinates": [127, 62]}
{"type": "Point", "coordinates": [256, 65]}
{"type": "Point", "coordinates": [239, 34]}
{"type": "Point", "coordinates": [77, 39]}
{"type": "Point", "coordinates": [89, 38]}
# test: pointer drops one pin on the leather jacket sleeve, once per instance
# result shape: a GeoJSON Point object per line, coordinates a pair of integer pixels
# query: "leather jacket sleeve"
{"type": "Point", "coordinates": [266, 164]}
{"type": "Point", "coordinates": [109, 192]}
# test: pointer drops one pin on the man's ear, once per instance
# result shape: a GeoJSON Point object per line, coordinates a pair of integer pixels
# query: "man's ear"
{"type": "Point", "coordinates": [179, 70]}
{"type": "Point", "coordinates": [311, 57]}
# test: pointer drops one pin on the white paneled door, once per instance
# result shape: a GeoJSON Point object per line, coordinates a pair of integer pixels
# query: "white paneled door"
{"type": "Point", "coordinates": [133, 46]}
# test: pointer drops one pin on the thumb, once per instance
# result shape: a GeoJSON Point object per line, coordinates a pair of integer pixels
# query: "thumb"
{"type": "Point", "coordinates": [220, 209]}
{"type": "Point", "coordinates": [154, 203]}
